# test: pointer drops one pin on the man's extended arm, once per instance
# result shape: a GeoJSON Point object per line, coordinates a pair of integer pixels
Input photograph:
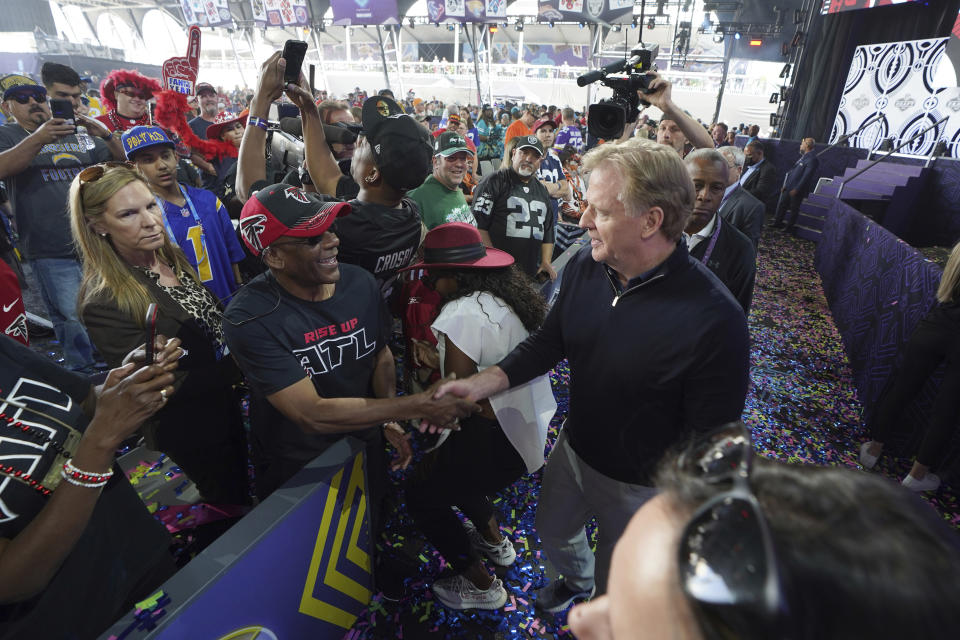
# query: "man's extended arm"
{"type": "Point", "coordinates": [385, 375]}
{"type": "Point", "coordinates": [314, 414]}
{"type": "Point", "coordinates": [661, 97]}
{"type": "Point", "coordinates": [321, 165]}
{"type": "Point", "coordinates": [30, 560]}
{"type": "Point", "coordinates": [251, 165]}
{"type": "Point", "coordinates": [17, 158]}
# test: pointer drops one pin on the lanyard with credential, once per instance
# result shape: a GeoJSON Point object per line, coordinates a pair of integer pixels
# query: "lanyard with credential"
{"type": "Point", "coordinates": [196, 219]}
{"type": "Point", "coordinates": [713, 241]}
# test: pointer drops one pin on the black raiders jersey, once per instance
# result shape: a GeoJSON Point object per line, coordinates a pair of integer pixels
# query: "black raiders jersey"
{"type": "Point", "coordinates": [380, 239]}
{"type": "Point", "coordinates": [517, 216]}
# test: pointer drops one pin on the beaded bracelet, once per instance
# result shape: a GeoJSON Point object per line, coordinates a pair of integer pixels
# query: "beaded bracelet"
{"type": "Point", "coordinates": [80, 483]}
{"type": "Point", "coordinates": [84, 476]}
{"type": "Point", "coordinates": [254, 121]}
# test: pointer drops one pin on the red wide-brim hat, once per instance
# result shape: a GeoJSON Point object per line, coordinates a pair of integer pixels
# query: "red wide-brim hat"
{"type": "Point", "coordinates": [457, 245]}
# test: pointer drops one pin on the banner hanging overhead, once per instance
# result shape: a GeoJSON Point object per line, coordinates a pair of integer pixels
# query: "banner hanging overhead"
{"type": "Point", "coordinates": [206, 13]}
{"type": "Point", "coordinates": [280, 13]}
{"type": "Point", "coordinates": [466, 10]}
{"type": "Point", "coordinates": [836, 6]}
{"type": "Point", "coordinates": [608, 11]}
{"type": "Point", "coordinates": [351, 12]}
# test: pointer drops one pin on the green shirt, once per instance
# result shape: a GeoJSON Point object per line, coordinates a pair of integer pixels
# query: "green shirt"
{"type": "Point", "coordinates": [438, 204]}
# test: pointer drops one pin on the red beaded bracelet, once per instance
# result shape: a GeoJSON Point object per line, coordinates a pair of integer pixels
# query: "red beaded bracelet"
{"type": "Point", "coordinates": [70, 471]}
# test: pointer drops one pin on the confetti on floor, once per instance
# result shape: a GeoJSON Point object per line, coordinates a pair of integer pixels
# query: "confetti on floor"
{"type": "Point", "coordinates": [801, 407]}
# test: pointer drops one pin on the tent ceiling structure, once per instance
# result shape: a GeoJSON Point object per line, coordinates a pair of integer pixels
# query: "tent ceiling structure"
{"type": "Point", "coordinates": [133, 12]}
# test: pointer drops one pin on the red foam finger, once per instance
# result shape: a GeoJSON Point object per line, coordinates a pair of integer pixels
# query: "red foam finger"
{"type": "Point", "coordinates": [193, 47]}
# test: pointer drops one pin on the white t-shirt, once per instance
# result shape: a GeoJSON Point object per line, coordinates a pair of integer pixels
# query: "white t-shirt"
{"type": "Point", "coordinates": [486, 329]}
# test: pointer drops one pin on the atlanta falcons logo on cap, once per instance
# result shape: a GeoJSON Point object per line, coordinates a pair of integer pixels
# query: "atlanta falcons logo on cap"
{"type": "Point", "coordinates": [251, 228]}
{"type": "Point", "coordinates": [18, 328]}
{"type": "Point", "coordinates": [296, 194]}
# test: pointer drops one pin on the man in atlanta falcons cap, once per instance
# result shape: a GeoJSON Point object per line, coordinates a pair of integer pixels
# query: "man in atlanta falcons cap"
{"type": "Point", "coordinates": [310, 334]}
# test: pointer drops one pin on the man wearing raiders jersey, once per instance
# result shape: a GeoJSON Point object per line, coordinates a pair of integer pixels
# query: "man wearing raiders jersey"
{"type": "Point", "coordinates": [512, 209]}
{"type": "Point", "coordinates": [392, 156]}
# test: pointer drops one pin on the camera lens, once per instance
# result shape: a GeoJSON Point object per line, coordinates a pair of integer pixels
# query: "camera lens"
{"type": "Point", "coordinates": [606, 119]}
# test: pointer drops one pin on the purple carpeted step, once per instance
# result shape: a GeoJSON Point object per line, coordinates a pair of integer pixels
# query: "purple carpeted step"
{"type": "Point", "coordinates": [806, 233]}
{"type": "Point", "coordinates": [810, 221]}
{"type": "Point", "coordinates": [913, 169]}
{"type": "Point", "coordinates": [854, 192]}
{"type": "Point", "coordinates": [887, 167]}
{"type": "Point", "coordinates": [820, 200]}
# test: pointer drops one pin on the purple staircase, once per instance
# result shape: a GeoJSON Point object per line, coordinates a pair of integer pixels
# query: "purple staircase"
{"type": "Point", "coordinates": [889, 190]}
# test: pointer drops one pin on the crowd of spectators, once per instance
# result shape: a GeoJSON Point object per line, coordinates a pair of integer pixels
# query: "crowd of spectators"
{"type": "Point", "coordinates": [424, 229]}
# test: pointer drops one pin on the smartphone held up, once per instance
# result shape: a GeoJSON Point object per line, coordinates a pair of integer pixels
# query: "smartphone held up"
{"type": "Point", "coordinates": [293, 52]}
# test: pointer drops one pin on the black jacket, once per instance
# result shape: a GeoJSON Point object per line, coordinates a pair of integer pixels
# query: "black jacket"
{"type": "Point", "coordinates": [200, 427]}
{"type": "Point", "coordinates": [745, 212]}
{"type": "Point", "coordinates": [649, 366]}
{"type": "Point", "coordinates": [803, 174]}
{"type": "Point", "coordinates": [762, 184]}
{"type": "Point", "coordinates": [733, 260]}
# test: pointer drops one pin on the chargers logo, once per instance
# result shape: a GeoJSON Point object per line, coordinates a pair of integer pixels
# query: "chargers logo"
{"type": "Point", "coordinates": [251, 228]}
{"type": "Point", "coordinates": [64, 156]}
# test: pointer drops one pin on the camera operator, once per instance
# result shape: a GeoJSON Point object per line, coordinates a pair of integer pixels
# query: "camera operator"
{"type": "Point", "coordinates": [676, 126]}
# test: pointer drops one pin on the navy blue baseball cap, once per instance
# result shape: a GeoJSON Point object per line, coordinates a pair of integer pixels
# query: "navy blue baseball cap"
{"type": "Point", "coordinates": [143, 137]}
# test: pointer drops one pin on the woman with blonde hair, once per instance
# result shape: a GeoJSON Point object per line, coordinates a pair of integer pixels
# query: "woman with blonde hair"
{"type": "Point", "coordinates": [129, 262]}
{"type": "Point", "coordinates": [936, 340]}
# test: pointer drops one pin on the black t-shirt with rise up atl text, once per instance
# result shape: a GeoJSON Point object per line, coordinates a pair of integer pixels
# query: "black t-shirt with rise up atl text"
{"type": "Point", "coordinates": [283, 339]}
{"type": "Point", "coordinates": [517, 215]}
{"type": "Point", "coordinates": [121, 544]}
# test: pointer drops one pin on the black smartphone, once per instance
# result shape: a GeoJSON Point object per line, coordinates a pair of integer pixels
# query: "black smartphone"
{"type": "Point", "coordinates": [151, 324]}
{"type": "Point", "coordinates": [293, 53]}
{"type": "Point", "coordinates": [63, 108]}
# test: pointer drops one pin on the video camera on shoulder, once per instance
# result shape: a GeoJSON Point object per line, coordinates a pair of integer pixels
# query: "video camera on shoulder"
{"type": "Point", "coordinates": [607, 118]}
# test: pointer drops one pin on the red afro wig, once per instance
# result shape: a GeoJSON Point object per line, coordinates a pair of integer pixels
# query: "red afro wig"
{"type": "Point", "coordinates": [124, 77]}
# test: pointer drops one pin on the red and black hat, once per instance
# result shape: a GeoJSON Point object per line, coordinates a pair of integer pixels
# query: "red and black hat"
{"type": "Point", "coordinates": [283, 210]}
{"type": "Point", "coordinates": [543, 122]}
{"type": "Point", "coordinates": [457, 245]}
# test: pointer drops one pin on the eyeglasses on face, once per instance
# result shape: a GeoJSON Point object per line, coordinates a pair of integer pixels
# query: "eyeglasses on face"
{"type": "Point", "coordinates": [311, 241]}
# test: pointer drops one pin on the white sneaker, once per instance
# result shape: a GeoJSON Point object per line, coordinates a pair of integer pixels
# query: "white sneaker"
{"type": "Point", "coordinates": [867, 461]}
{"type": "Point", "coordinates": [501, 554]}
{"type": "Point", "coordinates": [457, 592]}
{"type": "Point", "coordinates": [930, 482]}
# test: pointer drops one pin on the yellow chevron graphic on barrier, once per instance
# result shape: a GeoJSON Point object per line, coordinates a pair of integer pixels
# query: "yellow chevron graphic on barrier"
{"type": "Point", "coordinates": [310, 605]}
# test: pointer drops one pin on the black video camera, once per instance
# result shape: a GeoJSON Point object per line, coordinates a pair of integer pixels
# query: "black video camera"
{"type": "Point", "coordinates": [607, 118]}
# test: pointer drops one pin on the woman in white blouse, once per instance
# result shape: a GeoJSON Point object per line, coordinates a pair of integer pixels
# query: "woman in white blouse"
{"type": "Point", "coordinates": [488, 307]}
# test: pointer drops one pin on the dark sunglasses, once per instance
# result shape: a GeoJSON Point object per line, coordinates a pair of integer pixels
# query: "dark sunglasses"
{"type": "Point", "coordinates": [24, 98]}
{"type": "Point", "coordinates": [727, 561]}
{"type": "Point", "coordinates": [97, 171]}
{"type": "Point", "coordinates": [311, 241]}
{"type": "Point", "coordinates": [134, 93]}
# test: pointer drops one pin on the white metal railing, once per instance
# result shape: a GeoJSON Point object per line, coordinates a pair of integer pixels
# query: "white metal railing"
{"type": "Point", "coordinates": [463, 72]}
